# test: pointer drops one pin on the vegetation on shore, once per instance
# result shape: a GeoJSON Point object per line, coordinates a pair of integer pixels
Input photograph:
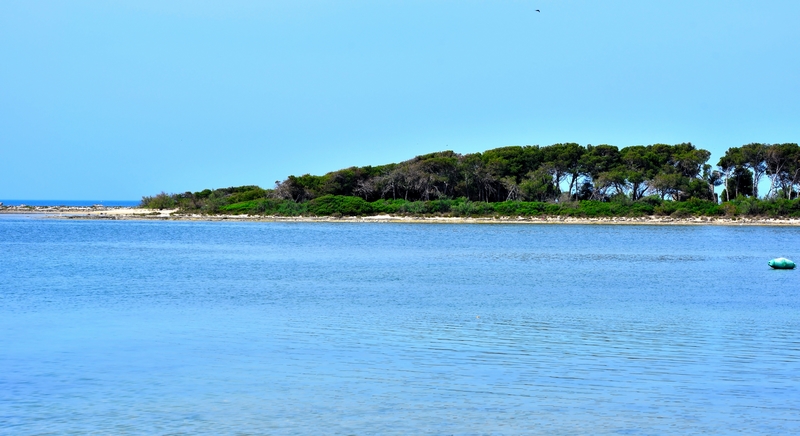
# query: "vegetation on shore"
{"type": "Point", "coordinates": [557, 180]}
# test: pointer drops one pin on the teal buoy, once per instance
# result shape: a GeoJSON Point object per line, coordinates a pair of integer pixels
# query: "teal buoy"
{"type": "Point", "coordinates": [781, 263]}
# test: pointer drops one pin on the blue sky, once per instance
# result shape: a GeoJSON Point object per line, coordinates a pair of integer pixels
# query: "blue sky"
{"type": "Point", "coordinates": [119, 99]}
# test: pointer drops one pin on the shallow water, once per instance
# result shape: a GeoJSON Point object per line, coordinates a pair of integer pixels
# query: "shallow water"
{"type": "Point", "coordinates": [292, 328]}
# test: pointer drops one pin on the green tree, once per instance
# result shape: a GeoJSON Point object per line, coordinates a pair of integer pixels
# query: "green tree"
{"type": "Point", "coordinates": [783, 167]}
{"type": "Point", "coordinates": [538, 186]}
{"type": "Point", "coordinates": [755, 157]}
{"type": "Point", "coordinates": [727, 164]}
{"type": "Point", "coordinates": [564, 160]}
{"type": "Point", "coordinates": [597, 160]}
{"type": "Point", "coordinates": [641, 165]}
{"type": "Point", "coordinates": [669, 184]}
{"type": "Point", "coordinates": [740, 182]}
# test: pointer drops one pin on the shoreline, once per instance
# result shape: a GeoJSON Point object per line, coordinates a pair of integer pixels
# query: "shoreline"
{"type": "Point", "coordinates": [128, 213]}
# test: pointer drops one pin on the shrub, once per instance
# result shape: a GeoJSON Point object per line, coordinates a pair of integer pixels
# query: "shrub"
{"type": "Point", "coordinates": [519, 208]}
{"type": "Point", "coordinates": [339, 204]}
{"type": "Point", "coordinates": [387, 206]}
{"type": "Point", "coordinates": [243, 207]}
{"type": "Point", "coordinates": [160, 201]}
{"type": "Point", "coordinates": [472, 208]}
{"type": "Point", "coordinates": [666, 208]}
{"type": "Point", "coordinates": [681, 213]}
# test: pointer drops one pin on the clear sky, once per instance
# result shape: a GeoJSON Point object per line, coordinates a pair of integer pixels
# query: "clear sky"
{"type": "Point", "coordinates": [118, 99]}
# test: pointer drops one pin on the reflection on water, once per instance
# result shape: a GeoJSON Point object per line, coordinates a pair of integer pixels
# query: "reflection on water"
{"type": "Point", "coordinates": [273, 328]}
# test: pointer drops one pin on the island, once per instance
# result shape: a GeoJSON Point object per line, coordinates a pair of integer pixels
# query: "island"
{"type": "Point", "coordinates": [565, 182]}
{"type": "Point", "coordinates": [559, 180]}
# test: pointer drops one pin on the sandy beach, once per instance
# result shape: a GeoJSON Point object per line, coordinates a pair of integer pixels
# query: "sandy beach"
{"type": "Point", "coordinates": [135, 213]}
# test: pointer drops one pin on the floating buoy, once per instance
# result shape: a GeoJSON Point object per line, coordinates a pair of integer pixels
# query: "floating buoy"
{"type": "Point", "coordinates": [781, 263]}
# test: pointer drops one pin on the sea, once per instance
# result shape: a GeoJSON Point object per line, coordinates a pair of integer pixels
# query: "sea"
{"type": "Point", "coordinates": [72, 203]}
{"type": "Point", "coordinates": [251, 328]}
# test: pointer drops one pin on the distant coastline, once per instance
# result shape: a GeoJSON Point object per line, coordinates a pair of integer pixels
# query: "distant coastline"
{"type": "Point", "coordinates": [666, 183]}
{"type": "Point", "coordinates": [560, 183]}
{"type": "Point", "coordinates": [139, 213]}
{"type": "Point", "coordinates": [72, 203]}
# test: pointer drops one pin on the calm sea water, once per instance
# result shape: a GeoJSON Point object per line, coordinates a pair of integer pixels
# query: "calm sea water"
{"type": "Point", "coordinates": [279, 328]}
{"type": "Point", "coordinates": [125, 203]}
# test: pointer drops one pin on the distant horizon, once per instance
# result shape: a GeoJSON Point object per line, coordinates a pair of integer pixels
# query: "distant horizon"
{"type": "Point", "coordinates": [52, 202]}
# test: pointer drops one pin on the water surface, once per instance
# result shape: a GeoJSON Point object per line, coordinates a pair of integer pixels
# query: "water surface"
{"type": "Point", "coordinates": [73, 203]}
{"type": "Point", "coordinates": [296, 328]}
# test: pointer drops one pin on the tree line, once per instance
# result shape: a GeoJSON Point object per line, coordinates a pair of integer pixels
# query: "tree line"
{"type": "Point", "coordinates": [556, 173]}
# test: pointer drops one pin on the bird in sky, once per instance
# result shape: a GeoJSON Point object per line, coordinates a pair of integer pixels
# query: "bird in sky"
{"type": "Point", "coordinates": [538, 10]}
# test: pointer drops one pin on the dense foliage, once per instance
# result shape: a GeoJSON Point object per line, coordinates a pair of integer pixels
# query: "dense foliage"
{"type": "Point", "coordinates": [339, 205]}
{"type": "Point", "coordinates": [561, 179]}
{"type": "Point", "coordinates": [206, 201]}
{"type": "Point", "coordinates": [533, 173]}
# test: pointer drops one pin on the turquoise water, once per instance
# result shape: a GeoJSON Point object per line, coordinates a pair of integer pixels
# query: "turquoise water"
{"type": "Point", "coordinates": [282, 328]}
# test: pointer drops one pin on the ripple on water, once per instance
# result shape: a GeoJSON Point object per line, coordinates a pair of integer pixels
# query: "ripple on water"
{"type": "Point", "coordinates": [277, 328]}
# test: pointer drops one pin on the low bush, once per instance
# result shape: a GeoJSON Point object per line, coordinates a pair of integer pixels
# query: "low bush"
{"type": "Point", "coordinates": [339, 205]}
{"type": "Point", "coordinates": [160, 201]}
{"type": "Point", "coordinates": [328, 205]}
